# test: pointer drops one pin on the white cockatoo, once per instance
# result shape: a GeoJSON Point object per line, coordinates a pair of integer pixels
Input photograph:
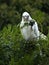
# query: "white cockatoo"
{"type": "Point", "coordinates": [29, 28]}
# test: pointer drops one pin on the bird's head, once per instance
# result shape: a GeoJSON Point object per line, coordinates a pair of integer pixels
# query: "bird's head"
{"type": "Point", "coordinates": [26, 16]}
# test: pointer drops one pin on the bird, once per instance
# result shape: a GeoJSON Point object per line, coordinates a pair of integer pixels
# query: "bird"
{"type": "Point", "coordinates": [29, 28]}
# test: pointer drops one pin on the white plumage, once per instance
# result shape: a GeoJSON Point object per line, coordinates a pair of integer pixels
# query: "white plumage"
{"type": "Point", "coordinates": [30, 32]}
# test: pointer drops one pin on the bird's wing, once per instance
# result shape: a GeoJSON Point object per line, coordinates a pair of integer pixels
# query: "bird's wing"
{"type": "Point", "coordinates": [35, 28]}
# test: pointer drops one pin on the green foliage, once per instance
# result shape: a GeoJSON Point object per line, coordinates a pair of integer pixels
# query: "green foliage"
{"type": "Point", "coordinates": [14, 50]}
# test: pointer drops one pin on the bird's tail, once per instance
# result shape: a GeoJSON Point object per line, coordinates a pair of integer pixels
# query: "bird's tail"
{"type": "Point", "coordinates": [42, 36]}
